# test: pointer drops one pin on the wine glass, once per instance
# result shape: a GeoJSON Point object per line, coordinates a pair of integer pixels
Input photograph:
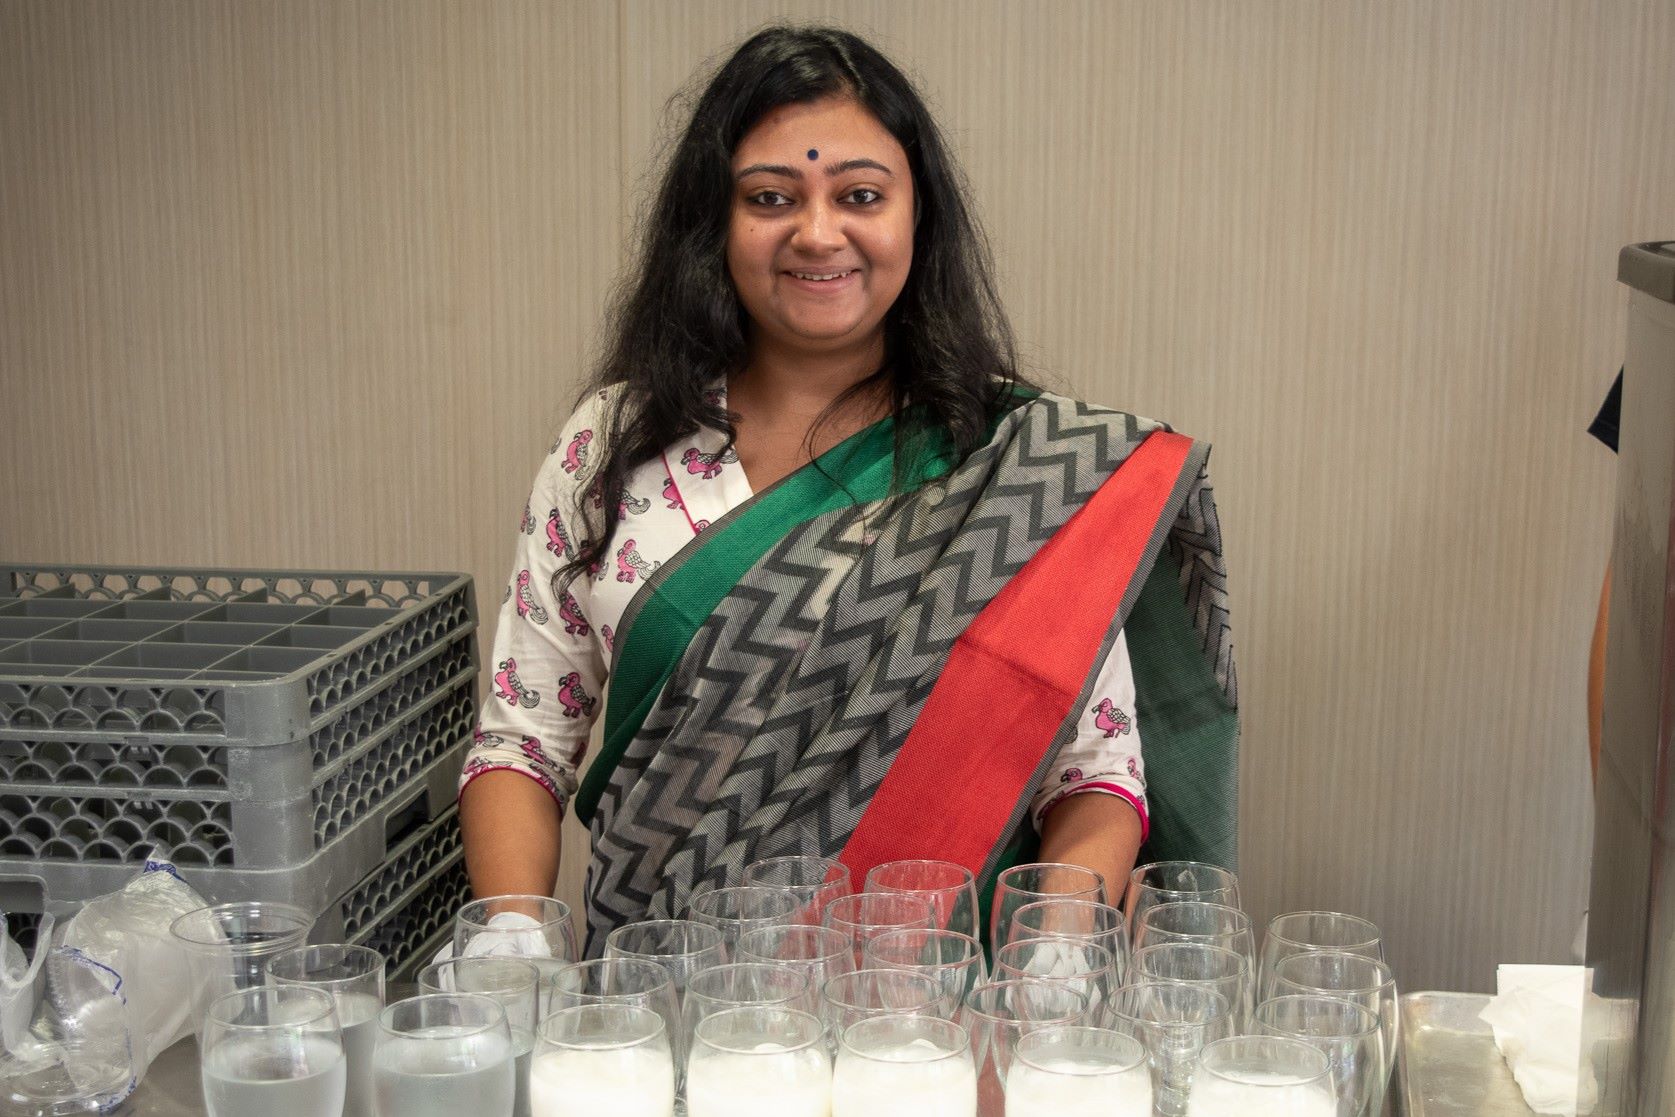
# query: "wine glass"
{"type": "Point", "coordinates": [950, 888]}
{"type": "Point", "coordinates": [1356, 978]}
{"type": "Point", "coordinates": [515, 983]}
{"type": "Point", "coordinates": [1173, 1021]}
{"type": "Point", "coordinates": [1083, 920]}
{"type": "Point", "coordinates": [527, 926]}
{"type": "Point", "coordinates": [920, 1065]}
{"type": "Point", "coordinates": [1199, 922]}
{"type": "Point", "coordinates": [606, 1058]}
{"type": "Point", "coordinates": [354, 978]}
{"type": "Point", "coordinates": [1347, 1034]}
{"type": "Point", "coordinates": [814, 881]}
{"type": "Point", "coordinates": [1301, 932]}
{"type": "Point", "coordinates": [1262, 1074]}
{"type": "Point", "coordinates": [742, 985]}
{"type": "Point", "coordinates": [679, 945]}
{"type": "Point", "coordinates": [864, 916]}
{"type": "Point", "coordinates": [1083, 966]}
{"type": "Point", "coordinates": [741, 908]}
{"type": "Point", "coordinates": [273, 1049]}
{"type": "Point", "coordinates": [1225, 971]}
{"type": "Point", "coordinates": [1168, 882]}
{"type": "Point", "coordinates": [1000, 1014]}
{"type": "Point", "coordinates": [1073, 1071]}
{"type": "Point", "coordinates": [444, 1053]}
{"type": "Point", "coordinates": [863, 994]}
{"type": "Point", "coordinates": [820, 952]}
{"type": "Point", "coordinates": [1025, 884]}
{"type": "Point", "coordinates": [759, 1060]}
{"type": "Point", "coordinates": [954, 960]}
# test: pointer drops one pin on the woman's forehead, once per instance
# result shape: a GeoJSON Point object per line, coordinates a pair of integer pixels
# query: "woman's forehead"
{"type": "Point", "coordinates": [832, 128]}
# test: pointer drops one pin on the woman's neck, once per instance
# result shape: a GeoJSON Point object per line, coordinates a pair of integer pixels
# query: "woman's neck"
{"type": "Point", "coordinates": [782, 387]}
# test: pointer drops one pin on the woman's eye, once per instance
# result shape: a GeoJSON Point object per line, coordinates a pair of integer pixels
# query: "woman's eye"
{"type": "Point", "coordinates": [769, 198]}
{"type": "Point", "coordinates": [864, 196]}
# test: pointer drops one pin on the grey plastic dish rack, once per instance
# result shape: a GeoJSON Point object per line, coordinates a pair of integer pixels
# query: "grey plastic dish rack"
{"type": "Point", "coordinates": [292, 736]}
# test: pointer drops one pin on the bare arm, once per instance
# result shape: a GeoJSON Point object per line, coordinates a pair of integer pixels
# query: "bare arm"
{"type": "Point", "coordinates": [510, 825]}
{"type": "Point", "coordinates": [1098, 832]}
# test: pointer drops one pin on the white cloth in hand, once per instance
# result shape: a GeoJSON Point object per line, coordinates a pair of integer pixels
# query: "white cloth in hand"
{"type": "Point", "coordinates": [510, 934]}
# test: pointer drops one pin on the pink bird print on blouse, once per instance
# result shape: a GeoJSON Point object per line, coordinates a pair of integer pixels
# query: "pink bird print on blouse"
{"type": "Point", "coordinates": [672, 494]}
{"type": "Point", "coordinates": [528, 608]}
{"type": "Point", "coordinates": [570, 612]}
{"type": "Point", "coordinates": [528, 525]}
{"type": "Point", "coordinates": [557, 541]}
{"type": "Point", "coordinates": [707, 466]}
{"type": "Point", "coordinates": [507, 685]}
{"type": "Point", "coordinates": [631, 504]}
{"type": "Point", "coordinates": [629, 563]}
{"type": "Point", "coordinates": [574, 697]}
{"type": "Point", "coordinates": [609, 636]}
{"type": "Point", "coordinates": [1109, 719]}
{"type": "Point", "coordinates": [575, 455]}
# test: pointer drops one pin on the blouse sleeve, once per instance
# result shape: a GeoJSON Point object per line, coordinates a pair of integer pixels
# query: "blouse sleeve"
{"type": "Point", "coordinates": [548, 666]}
{"type": "Point", "coordinates": [1104, 756]}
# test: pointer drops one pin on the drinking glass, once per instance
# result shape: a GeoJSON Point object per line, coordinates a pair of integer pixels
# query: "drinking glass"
{"type": "Point", "coordinates": [515, 983]}
{"type": "Point", "coordinates": [353, 976]}
{"type": "Point", "coordinates": [1225, 971]}
{"type": "Point", "coordinates": [1071, 1071]}
{"type": "Point", "coordinates": [1350, 977]}
{"type": "Point", "coordinates": [904, 1066]}
{"type": "Point", "coordinates": [1173, 1022]}
{"type": "Point", "coordinates": [953, 959]}
{"type": "Point", "coordinates": [444, 1054]}
{"type": "Point", "coordinates": [1083, 966]}
{"type": "Point", "coordinates": [1248, 1075]}
{"type": "Point", "coordinates": [679, 945]}
{"type": "Point", "coordinates": [864, 916]}
{"type": "Point", "coordinates": [1200, 922]}
{"type": "Point", "coordinates": [863, 994]}
{"type": "Point", "coordinates": [1347, 1034]}
{"type": "Point", "coordinates": [1169, 882]}
{"type": "Point", "coordinates": [819, 952]}
{"type": "Point", "coordinates": [619, 981]}
{"type": "Point", "coordinates": [594, 1059]}
{"type": "Point", "coordinates": [950, 888]}
{"type": "Point", "coordinates": [1084, 920]}
{"type": "Point", "coordinates": [1301, 932]}
{"type": "Point", "coordinates": [759, 1061]}
{"type": "Point", "coordinates": [814, 881]}
{"type": "Point", "coordinates": [545, 930]}
{"type": "Point", "coordinates": [745, 907]}
{"type": "Point", "coordinates": [742, 985]}
{"type": "Point", "coordinates": [1001, 1013]}
{"type": "Point", "coordinates": [273, 1051]}
{"type": "Point", "coordinates": [1025, 884]}
{"type": "Point", "coordinates": [228, 946]}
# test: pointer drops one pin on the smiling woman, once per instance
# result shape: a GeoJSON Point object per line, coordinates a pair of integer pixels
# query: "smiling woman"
{"type": "Point", "coordinates": [860, 593]}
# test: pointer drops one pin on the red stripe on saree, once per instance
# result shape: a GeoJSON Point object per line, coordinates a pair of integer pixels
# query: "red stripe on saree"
{"type": "Point", "coordinates": [1013, 675]}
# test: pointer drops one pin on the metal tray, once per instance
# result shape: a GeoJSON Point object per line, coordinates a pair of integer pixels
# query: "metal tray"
{"type": "Point", "coordinates": [1450, 1062]}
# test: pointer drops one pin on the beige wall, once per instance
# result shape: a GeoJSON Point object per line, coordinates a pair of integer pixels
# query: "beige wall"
{"type": "Point", "coordinates": [312, 283]}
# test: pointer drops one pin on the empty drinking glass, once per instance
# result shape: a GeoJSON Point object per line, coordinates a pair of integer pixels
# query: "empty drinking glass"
{"type": "Point", "coordinates": [950, 888]}
{"type": "Point", "coordinates": [595, 1059]}
{"type": "Point", "coordinates": [353, 976]}
{"type": "Point", "coordinates": [1254, 1076]}
{"type": "Point", "coordinates": [863, 994]}
{"type": "Point", "coordinates": [820, 952]}
{"type": "Point", "coordinates": [228, 946]}
{"type": "Point", "coordinates": [1003, 1012]}
{"type": "Point", "coordinates": [864, 916]}
{"type": "Point", "coordinates": [1199, 922]}
{"type": "Point", "coordinates": [1025, 884]}
{"type": "Point", "coordinates": [1076, 964]}
{"type": "Point", "coordinates": [1169, 882]}
{"type": "Point", "coordinates": [1351, 977]}
{"type": "Point", "coordinates": [954, 960]}
{"type": "Point", "coordinates": [273, 1051]}
{"type": "Point", "coordinates": [904, 1066]}
{"type": "Point", "coordinates": [444, 1054]}
{"type": "Point", "coordinates": [745, 907]}
{"type": "Point", "coordinates": [515, 983]}
{"type": "Point", "coordinates": [1225, 971]}
{"type": "Point", "coordinates": [1071, 1071]}
{"type": "Point", "coordinates": [679, 945]}
{"type": "Point", "coordinates": [1173, 1022]}
{"type": "Point", "coordinates": [1086, 920]}
{"type": "Point", "coordinates": [1347, 1034]}
{"type": "Point", "coordinates": [1301, 932]}
{"type": "Point", "coordinates": [814, 881]}
{"type": "Point", "coordinates": [759, 1062]}
{"type": "Point", "coordinates": [526, 926]}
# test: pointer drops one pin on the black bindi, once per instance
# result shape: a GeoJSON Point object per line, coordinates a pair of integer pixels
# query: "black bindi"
{"type": "Point", "coordinates": [813, 154]}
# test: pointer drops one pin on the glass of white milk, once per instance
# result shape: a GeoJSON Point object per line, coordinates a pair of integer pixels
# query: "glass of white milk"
{"type": "Point", "coordinates": [904, 1066]}
{"type": "Point", "coordinates": [1079, 1072]}
{"type": "Point", "coordinates": [595, 1059]}
{"type": "Point", "coordinates": [1263, 1076]}
{"type": "Point", "coordinates": [759, 1061]}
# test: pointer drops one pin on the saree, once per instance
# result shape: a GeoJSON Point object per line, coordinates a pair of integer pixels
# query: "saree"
{"type": "Point", "coordinates": [872, 667]}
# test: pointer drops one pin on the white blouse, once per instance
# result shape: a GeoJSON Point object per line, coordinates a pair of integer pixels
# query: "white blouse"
{"type": "Point", "coordinates": [552, 653]}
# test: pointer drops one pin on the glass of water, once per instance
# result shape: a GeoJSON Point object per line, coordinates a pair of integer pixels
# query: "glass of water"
{"type": "Point", "coordinates": [745, 907]}
{"type": "Point", "coordinates": [814, 881]}
{"type": "Point", "coordinates": [1025, 884]}
{"type": "Point", "coordinates": [759, 1061]}
{"type": "Point", "coordinates": [1071, 1071]}
{"type": "Point", "coordinates": [531, 926]}
{"type": "Point", "coordinates": [273, 1051]}
{"type": "Point", "coordinates": [354, 978]}
{"type": "Point", "coordinates": [954, 960]}
{"type": "Point", "coordinates": [950, 888]}
{"type": "Point", "coordinates": [444, 1054]}
{"type": "Point", "coordinates": [602, 1059]}
{"type": "Point", "coordinates": [515, 983]}
{"type": "Point", "coordinates": [1249, 1076]}
{"type": "Point", "coordinates": [904, 1066]}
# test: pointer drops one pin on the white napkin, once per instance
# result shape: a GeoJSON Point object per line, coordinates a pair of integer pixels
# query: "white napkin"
{"type": "Point", "coordinates": [1537, 1020]}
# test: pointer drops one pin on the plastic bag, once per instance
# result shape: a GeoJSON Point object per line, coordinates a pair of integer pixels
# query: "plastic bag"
{"type": "Point", "coordinates": [22, 983]}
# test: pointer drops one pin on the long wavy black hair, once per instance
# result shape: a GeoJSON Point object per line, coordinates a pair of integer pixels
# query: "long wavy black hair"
{"type": "Point", "coordinates": [676, 325]}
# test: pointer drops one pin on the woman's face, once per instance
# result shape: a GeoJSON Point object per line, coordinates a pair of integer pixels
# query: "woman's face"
{"type": "Point", "coordinates": [820, 238]}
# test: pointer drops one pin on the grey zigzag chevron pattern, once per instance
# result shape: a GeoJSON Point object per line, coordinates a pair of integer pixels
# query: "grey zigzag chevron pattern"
{"type": "Point", "coordinates": [1195, 542]}
{"type": "Point", "coordinates": [784, 714]}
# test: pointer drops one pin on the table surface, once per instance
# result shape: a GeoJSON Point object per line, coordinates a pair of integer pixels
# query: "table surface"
{"type": "Point", "coordinates": [171, 1087]}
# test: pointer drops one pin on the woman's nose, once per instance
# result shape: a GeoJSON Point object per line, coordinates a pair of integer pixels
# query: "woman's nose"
{"type": "Point", "coordinates": [821, 228]}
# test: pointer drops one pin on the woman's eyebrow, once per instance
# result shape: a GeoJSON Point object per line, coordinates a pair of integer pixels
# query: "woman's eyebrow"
{"type": "Point", "coordinates": [786, 171]}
